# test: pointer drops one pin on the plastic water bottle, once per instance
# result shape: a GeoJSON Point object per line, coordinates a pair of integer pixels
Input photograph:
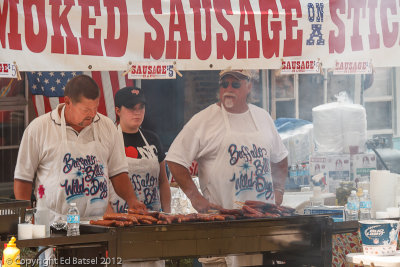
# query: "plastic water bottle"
{"type": "Point", "coordinates": [352, 207]}
{"type": "Point", "coordinates": [73, 220]}
{"type": "Point", "coordinates": [365, 206]}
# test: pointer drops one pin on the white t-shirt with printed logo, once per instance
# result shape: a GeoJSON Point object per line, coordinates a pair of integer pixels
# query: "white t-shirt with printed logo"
{"type": "Point", "coordinates": [201, 137]}
{"type": "Point", "coordinates": [37, 150]}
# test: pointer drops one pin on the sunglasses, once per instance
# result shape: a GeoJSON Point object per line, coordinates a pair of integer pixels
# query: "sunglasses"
{"type": "Point", "coordinates": [225, 84]}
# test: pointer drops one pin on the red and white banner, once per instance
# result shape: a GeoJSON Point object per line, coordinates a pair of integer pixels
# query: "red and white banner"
{"type": "Point", "coordinates": [353, 67]}
{"type": "Point", "coordinates": [152, 70]}
{"type": "Point", "coordinates": [77, 35]}
{"type": "Point", "coordinates": [300, 66]}
{"type": "Point", "coordinates": [8, 70]}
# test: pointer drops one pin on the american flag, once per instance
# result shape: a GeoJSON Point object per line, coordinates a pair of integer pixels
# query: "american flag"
{"type": "Point", "coordinates": [47, 89]}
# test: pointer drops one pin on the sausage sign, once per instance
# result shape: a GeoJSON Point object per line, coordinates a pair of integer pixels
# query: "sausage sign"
{"type": "Point", "coordinates": [196, 34]}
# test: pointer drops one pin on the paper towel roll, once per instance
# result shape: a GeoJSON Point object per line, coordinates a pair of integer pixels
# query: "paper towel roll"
{"type": "Point", "coordinates": [383, 190]}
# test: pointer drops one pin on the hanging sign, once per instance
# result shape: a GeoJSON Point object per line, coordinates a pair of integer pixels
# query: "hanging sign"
{"type": "Point", "coordinates": [353, 67]}
{"type": "Point", "coordinates": [56, 35]}
{"type": "Point", "coordinates": [8, 70]}
{"type": "Point", "coordinates": [152, 70]}
{"type": "Point", "coordinates": [300, 66]}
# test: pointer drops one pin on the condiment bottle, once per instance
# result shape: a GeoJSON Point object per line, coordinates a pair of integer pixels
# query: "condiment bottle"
{"type": "Point", "coordinates": [11, 254]}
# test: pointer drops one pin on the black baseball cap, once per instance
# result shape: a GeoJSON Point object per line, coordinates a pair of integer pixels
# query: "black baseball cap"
{"type": "Point", "coordinates": [129, 97]}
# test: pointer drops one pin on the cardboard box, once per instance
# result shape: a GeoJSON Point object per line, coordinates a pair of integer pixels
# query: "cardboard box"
{"type": "Point", "coordinates": [362, 165]}
{"type": "Point", "coordinates": [336, 168]}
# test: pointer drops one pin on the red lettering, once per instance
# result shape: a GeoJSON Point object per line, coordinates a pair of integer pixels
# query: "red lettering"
{"type": "Point", "coordinates": [270, 46]}
{"type": "Point", "coordinates": [292, 47]}
{"type": "Point", "coordinates": [253, 49]}
{"type": "Point", "coordinates": [139, 70]}
{"type": "Point", "coordinates": [35, 42]}
{"type": "Point", "coordinates": [133, 69]}
{"type": "Point", "coordinates": [14, 38]}
{"type": "Point", "coordinates": [164, 69]}
{"type": "Point", "coordinates": [57, 40]}
{"type": "Point", "coordinates": [90, 46]}
{"type": "Point", "coordinates": [184, 44]}
{"type": "Point", "coordinates": [356, 5]}
{"type": "Point", "coordinates": [389, 37]}
{"type": "Point", "coordinates": [5, 67]}
{"type": "Point", "coordinates": [116, 47]}
{"type": "Point", "coordinates": [202, 47]}
{"type": "Point", "coordinates": [3, 22]}
{"type": "Point", "coordinates": [153, 48]}
{"type": "Point", "coordinates": [337, 42]}
{"type": "Point", "coordinates": [373, 34]}
{"type": "Point", "coordinates": [225, 48]}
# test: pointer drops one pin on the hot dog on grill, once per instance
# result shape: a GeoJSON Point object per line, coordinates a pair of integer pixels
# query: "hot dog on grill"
{"type": "Point", "coordinates": [120, 217]}
{"type": "Point", "coordinates": [144, 217]}
{"type": "Point", "coordinates": [250, 210]}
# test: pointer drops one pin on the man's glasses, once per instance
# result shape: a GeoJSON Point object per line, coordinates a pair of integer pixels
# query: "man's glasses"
{"type": "Point", "coordinates": [225, 84]}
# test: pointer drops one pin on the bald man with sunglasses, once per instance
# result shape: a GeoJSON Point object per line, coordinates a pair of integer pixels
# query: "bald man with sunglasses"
{"type": "Point", "coordinates": [240, 154]}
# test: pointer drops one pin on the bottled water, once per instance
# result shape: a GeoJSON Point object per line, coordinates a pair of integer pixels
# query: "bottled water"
{"type": "Point", "coordinates": [365, 206]}
{"type": "Point", "coordinates": [352, 207]}
{"type": "Point", "coordinates": [73, 220]}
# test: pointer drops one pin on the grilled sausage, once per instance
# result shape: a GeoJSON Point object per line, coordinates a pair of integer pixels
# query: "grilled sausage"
{"type": "Point", "coordinates": [144, 221]}
{"type": "Point", "coordinates": [217, 217]}
{"type": "Point", "coordinates": [136, 211]}
{"type": "Point", "coordinates": [192, 217]}
{"type": "Point", "coordinates": [248, 209]}
{"type": "Point", "coordinates": [144, 217]}
{"type": "Point", "coordinates": [120, 217]}
{"type": "Point", "coordinates": [236, 212]}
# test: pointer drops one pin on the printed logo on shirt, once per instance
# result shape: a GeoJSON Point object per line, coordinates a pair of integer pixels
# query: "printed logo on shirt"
{"type": "Point", "coordinates": [146, 188]}
{"type": "Point", "coordinates": [87, 178]}
{"type": "Point", "coordinates": [119, 206]}
{"type": "Point", "coordinates": [252, 171]}
{"type": "Point", "coordinates": [145, 152]}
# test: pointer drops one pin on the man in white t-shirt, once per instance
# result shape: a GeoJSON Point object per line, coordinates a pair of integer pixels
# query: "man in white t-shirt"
{"type": "Point", "coordinates": [239, 152]}
{"type": "Point", "coordinates": [73, 153]}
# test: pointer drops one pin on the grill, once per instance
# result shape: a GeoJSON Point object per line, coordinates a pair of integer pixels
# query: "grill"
{"type": "Point", "coordinates": [298, 239]}
{"type": "Point", "coordinates": [12, 211]}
